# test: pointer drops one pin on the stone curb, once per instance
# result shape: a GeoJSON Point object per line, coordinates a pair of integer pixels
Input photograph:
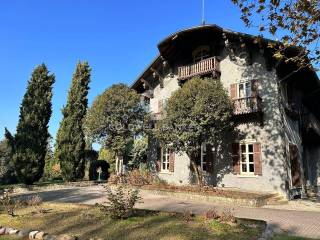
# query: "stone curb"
{"type": "Point", "coordinates": [33, 234]}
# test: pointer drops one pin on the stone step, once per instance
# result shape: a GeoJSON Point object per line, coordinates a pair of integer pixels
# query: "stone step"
{"type": "Point", "coordinates": [276, 199]}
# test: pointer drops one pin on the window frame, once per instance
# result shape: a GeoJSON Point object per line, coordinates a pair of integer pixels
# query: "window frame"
{"type": "Point", "coordinates": [247, 162]}
{"type": "Point", "coordinates": [165, 159]}
{"type": "Point", "coordinates": [244, 84]}
{"type": "Point", "coordinates": [203, 155]}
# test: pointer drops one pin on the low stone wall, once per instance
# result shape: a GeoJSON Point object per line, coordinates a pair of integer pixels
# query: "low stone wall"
{"type": "Point", "coordinates": [258, 201]}
{"type": "Point", "coordinates": [32, 234]}
{"type": "Point", "coordinates": [246, 202]}
{"type": "Point", "coordinates": [54, 186]}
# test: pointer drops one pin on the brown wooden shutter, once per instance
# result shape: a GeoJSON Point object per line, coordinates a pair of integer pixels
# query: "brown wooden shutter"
{"type": "Point", "coordinates": [233, 91]}
{"type": "Point", "coordinates": [171, 161]}
{"type": "Point", "coordinates": [295, 166]}
{"type": "Point", "coordinates": [257, 159]}
{"type": "Point", "coordinates": [160, 106]}
{"type": "Point", "coordinates": [158, 161]}
{"type": "Point", "coordinates": [209, 159]}
{"type": "Point", "coordinates": [236, 158]}
{"type": "Point", "coordinates": [254, 88]}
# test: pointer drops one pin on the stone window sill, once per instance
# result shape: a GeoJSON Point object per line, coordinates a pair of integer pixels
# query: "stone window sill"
{"type": "Point", "coordinates": [247, 176]}
{"type": "Point", "coordinates": [166, 173]}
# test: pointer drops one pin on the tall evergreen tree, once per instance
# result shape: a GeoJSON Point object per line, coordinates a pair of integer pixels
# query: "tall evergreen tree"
{"type": "Point", "coordinates": [29, 145]}
{"type": "Point", "coordinates": [70, 143]}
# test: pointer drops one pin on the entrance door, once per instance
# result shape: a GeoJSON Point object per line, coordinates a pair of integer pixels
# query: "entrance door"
{"type": "Point", "coordinates": [295, 166]}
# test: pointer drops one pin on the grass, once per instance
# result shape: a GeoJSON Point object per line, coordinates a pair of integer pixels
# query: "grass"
{"type": "Point", "coordinates": [8, 238]}
{"type": "Point", "coordinates": [88, 222]}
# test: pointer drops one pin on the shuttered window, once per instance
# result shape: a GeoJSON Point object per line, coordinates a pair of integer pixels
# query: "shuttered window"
{"type": "Point", "coordinates": [167, 159]}
{"type": "Point", "coordinates": [247, 158]}
{"type": "Point", "coordinates": [246, 163]}
{"type": "Point", "coordinates": [244, 89]}
{"type": "Point", "coordinates": [206, 158]}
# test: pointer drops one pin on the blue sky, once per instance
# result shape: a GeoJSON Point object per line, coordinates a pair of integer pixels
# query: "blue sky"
{"type": "Point", "coordinates": [117, 37]}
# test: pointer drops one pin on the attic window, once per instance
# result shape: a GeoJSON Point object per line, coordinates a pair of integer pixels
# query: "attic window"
{"type": "Point", "coordinates": [201, 53]}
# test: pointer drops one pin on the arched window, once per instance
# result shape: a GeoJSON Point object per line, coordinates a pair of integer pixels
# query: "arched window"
{"type": "Point", "coordinates": [201, 53]}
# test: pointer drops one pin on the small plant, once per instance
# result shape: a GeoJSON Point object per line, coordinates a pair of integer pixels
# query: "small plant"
{"type": "Point", "coordinates": [9, 204]}
{"type": "Point", "coordinates": [121, 202]}
{"type": "Point", "coordinates": [35, 201]}
{"type": "Point", "coordinates": [187, 216]}
{"type": "Point", "coordinates": [212, 213]}
{"type": "Point", "coordinates": [228, 216]}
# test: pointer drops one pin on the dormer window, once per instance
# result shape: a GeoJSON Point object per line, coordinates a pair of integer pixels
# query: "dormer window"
{"type": "Point", "coordinates": [201, 53]}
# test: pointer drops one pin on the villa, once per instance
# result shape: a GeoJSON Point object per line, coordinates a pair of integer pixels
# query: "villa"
{"type": "Point", "coordinates": [276, 109]}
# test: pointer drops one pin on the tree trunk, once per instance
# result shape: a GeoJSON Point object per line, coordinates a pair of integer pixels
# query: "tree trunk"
{"type": "Point", "coordinates": [195, 168]}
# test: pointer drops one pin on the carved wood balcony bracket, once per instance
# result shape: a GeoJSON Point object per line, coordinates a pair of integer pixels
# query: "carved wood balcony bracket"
{"type": "Point", "coordinates": [156, 74]}
{"type": "Point", "coordinates": [230, 47]}
{"type": "Point", "coordinates": [245, 51]}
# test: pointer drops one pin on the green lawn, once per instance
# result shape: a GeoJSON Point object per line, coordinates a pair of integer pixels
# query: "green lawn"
{"type": "Point", "coordinates": [88, 222]}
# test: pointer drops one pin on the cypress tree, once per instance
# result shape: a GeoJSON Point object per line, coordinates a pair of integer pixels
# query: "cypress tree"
{"type": "Point", "coordinates": [31, 139]}
{"type": "Point", "coordinates": [70, 142]}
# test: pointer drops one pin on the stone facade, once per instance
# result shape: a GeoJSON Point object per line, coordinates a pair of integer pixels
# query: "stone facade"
{"type": "Point", "coordinates": [274, 132]}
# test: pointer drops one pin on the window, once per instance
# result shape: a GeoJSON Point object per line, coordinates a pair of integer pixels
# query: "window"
{"type": "Point", "coordinates": [201, 53]}
{"type": "Point", "coordinates": [244, 89]}
{"type": "Point", "coordinates": [165, 160]}
{"type": "Point", "coordinates": [204, 157]}
{"type": "Point", "coordinates": [162, 104]}
{"type": "Point", "coordinates": [247, 158]}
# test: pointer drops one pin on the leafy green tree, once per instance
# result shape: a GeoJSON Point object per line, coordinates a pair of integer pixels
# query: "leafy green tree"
{"type": "Point", "coordinates": [138, 153]}
{"type": "Point", "coordinates": [52, 166]}
{"type": "Point", "coordinates": [295, 22]}
{"type": "Point", "coordinates": [70, 142]}
{"type": "Point", "coordinates": [114, 118]}
{"type": "Point", "coordinates": [29, 144]}
{"type": "Point", "coordinates": [199, 112]}
{"type": "Point", "coordinates": [108, 156]}
{"type": "Point", "coordinates": [7, 174]}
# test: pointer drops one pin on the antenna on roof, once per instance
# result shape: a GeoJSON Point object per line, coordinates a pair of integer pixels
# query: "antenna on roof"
{"type": "Point", "coordinates": [203, 21]}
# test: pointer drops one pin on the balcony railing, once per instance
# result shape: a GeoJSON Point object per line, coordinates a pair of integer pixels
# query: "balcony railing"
{"type": "Point", "coordinates": [247, 105]}
{"type": "Point", "coordinates": [206, 66]}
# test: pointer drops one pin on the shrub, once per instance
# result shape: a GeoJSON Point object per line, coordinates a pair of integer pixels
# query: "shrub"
{"type": "Point", "coordinates": [139, 177]}
{"type": "Point", "coordinates": [228, 216]}
{"type": "Point", "coordinates": [121, 202]}
{"type": "Point", "coordinates": [9, 204]}
{"type": "Point", "coordinates": [134, 177]}
{"type": "Point", "coordinates": [187, 215]}
{"type": "Point", "coordinates": [212, 213]}
{"type": "Point", "coordinates": [35, 201]}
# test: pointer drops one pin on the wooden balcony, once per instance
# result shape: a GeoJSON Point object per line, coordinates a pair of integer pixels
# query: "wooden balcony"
{"type": "Point", "coordinates": [204, 67]}
{"type": "Point", "coordinates": [247, 105]}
